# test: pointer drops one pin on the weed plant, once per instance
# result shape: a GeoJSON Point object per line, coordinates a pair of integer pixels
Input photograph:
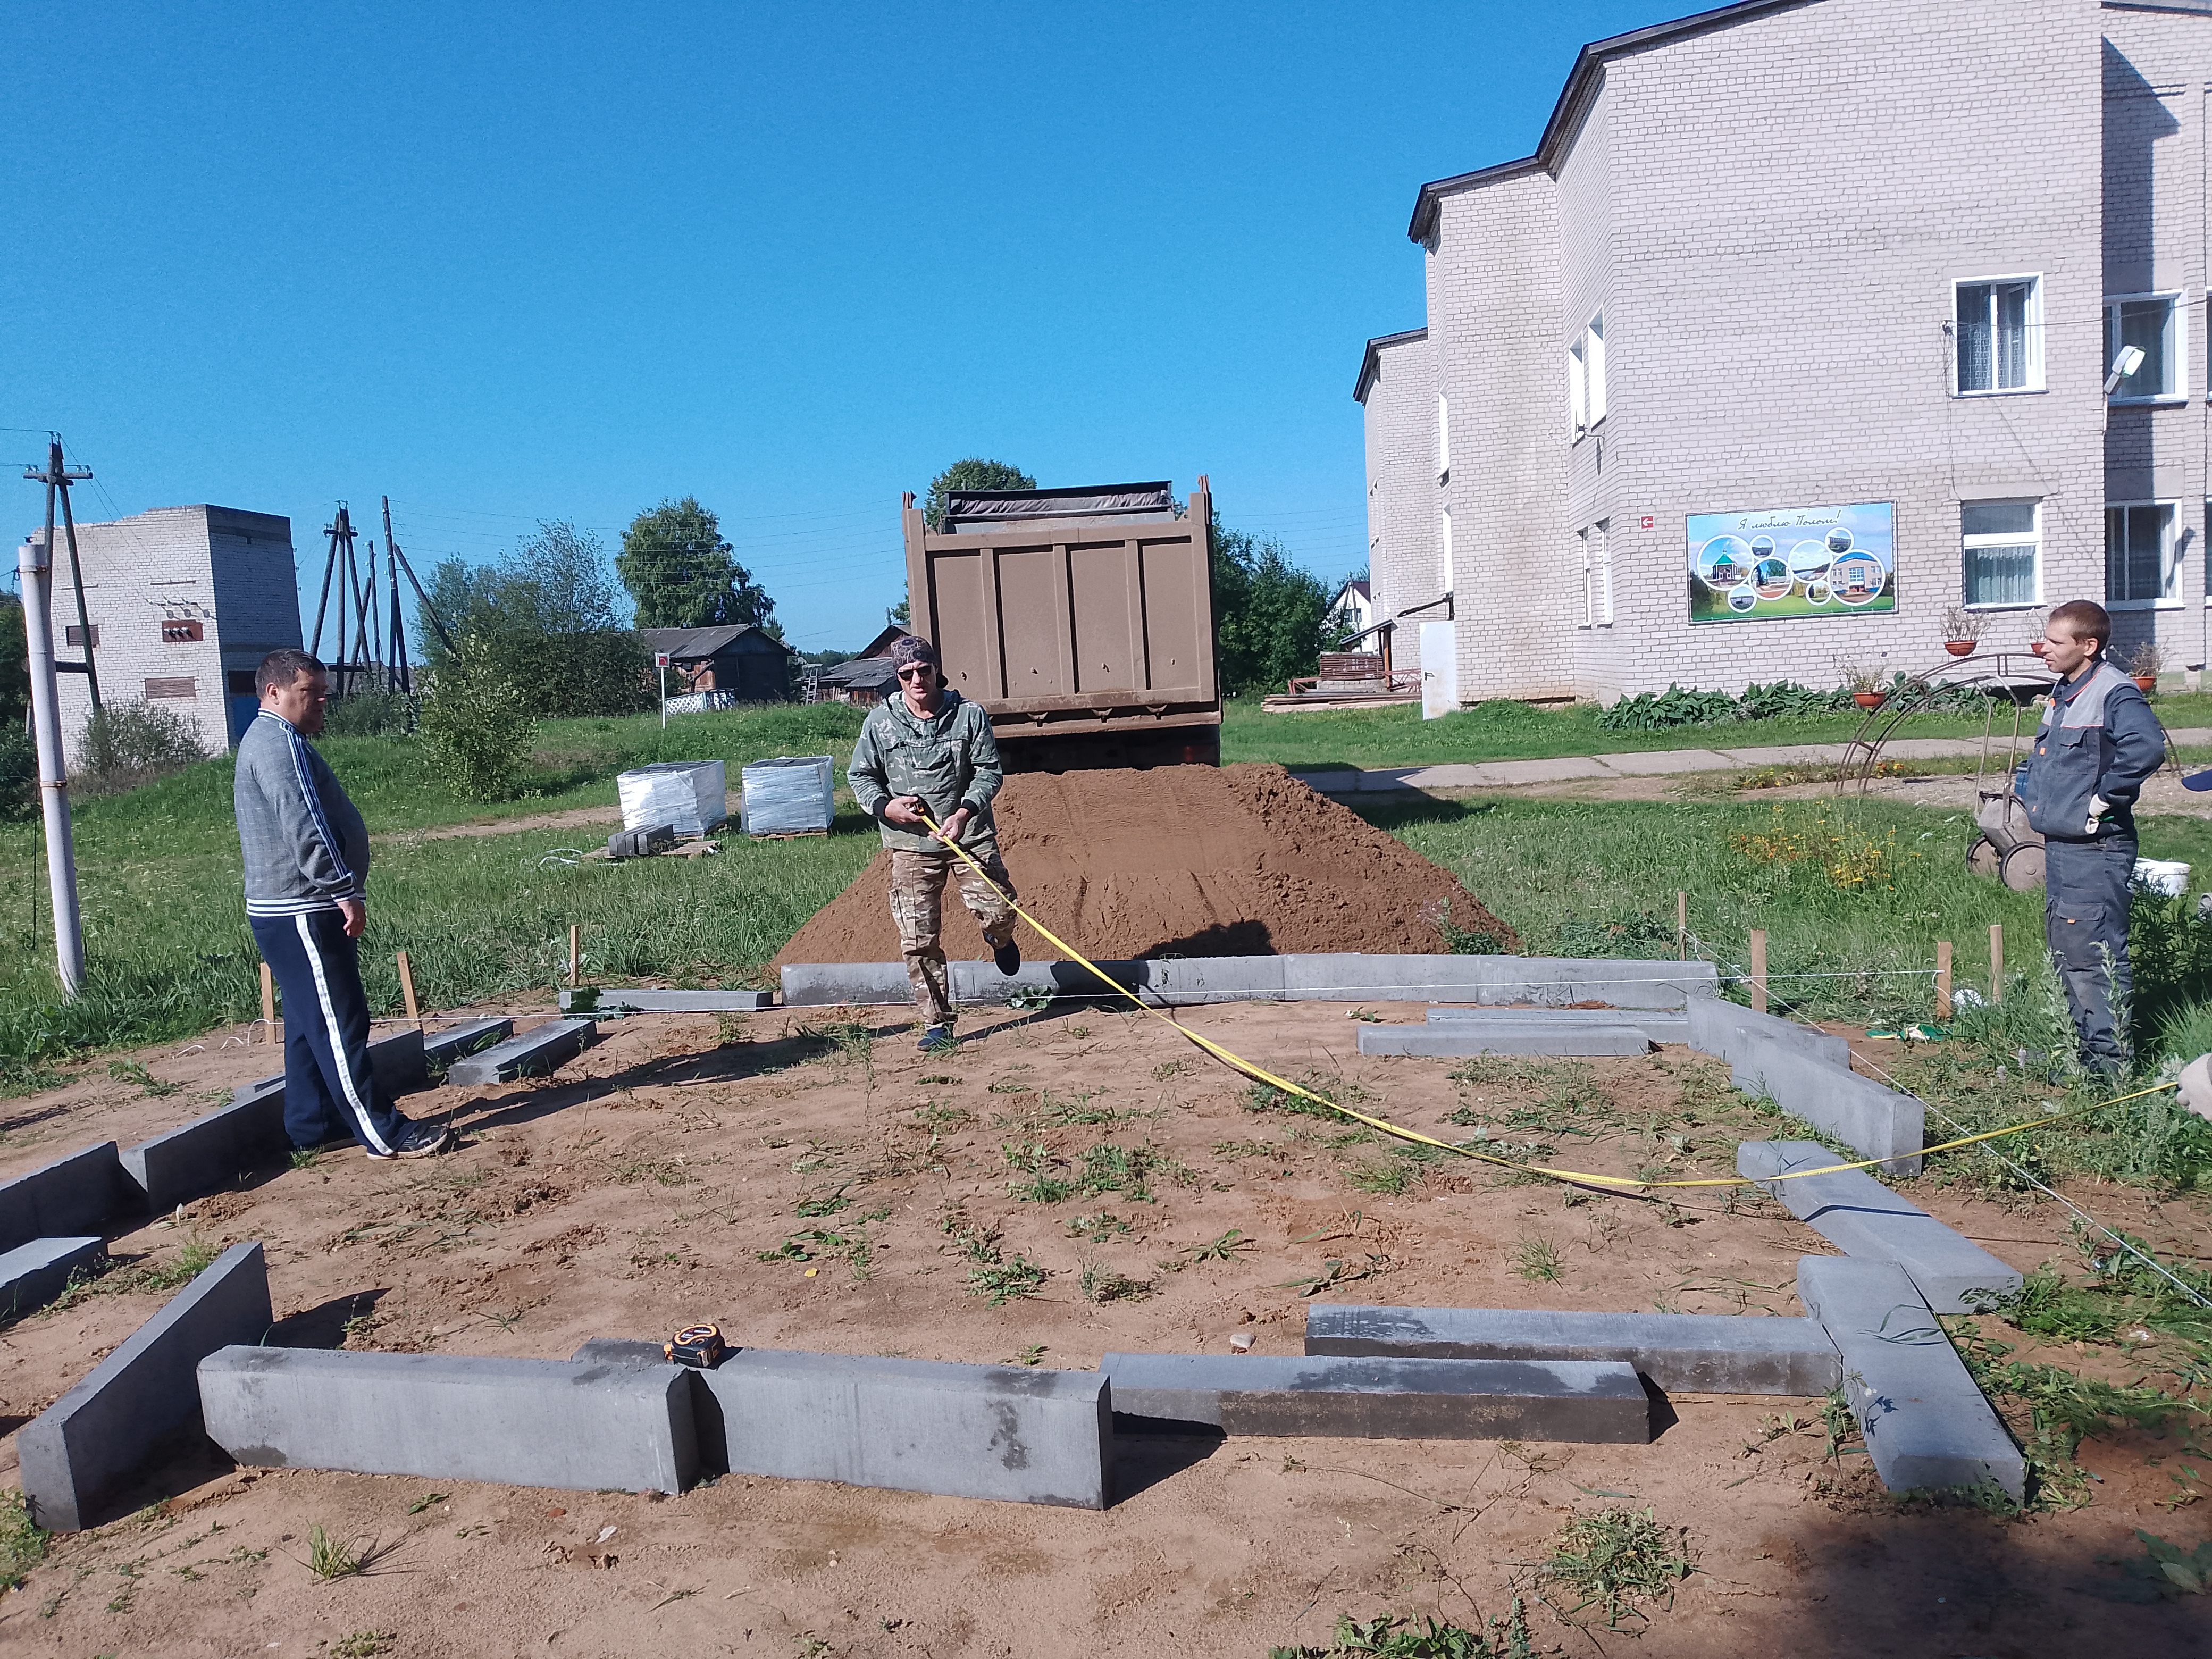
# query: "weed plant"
{"type": "Point", "coordinates": [1387, 1638]}
{"type": "Point", "coordinates": [22, 1541]}
{"type": "Point", "coordinates": [329, 1558]}
{"type": "Point", "coordinates": [1100, 1282]}
{"type": "Point", "coordinates": [1616, 1561]}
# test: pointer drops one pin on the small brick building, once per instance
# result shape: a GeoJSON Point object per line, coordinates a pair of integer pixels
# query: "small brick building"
{"type": "Point", "coordinates": [1820, 281]}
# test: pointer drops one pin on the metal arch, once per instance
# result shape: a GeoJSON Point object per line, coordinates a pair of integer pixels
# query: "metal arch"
{"type": "Point", "coordinates": [2006, 670]}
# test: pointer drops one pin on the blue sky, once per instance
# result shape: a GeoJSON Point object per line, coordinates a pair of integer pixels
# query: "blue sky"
{"type": "Point", "coordinates": [561, 261]}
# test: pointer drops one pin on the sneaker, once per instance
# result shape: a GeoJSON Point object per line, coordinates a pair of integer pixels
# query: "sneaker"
{"type": "Point", "coordinates": [1009, 959]}
{"type": "Point", "coordinates": [934, 1037]}
{"type": "Point", "coordinates": [419, 1140]}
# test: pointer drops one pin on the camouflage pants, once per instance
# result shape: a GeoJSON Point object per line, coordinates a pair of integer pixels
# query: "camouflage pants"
{"type": "Point", "coordinates": [917, 906]}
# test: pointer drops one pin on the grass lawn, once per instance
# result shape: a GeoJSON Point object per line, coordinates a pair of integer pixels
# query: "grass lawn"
{"type": "Point", "coordinates": [1513, 731]}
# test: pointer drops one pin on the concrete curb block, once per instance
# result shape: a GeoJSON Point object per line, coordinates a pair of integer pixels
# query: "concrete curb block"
{"type": "Point", "coordinates": [1729, 1030]}
{"type": "Point", "coordinates": [86, 1445]}
{"type": "Point", "coordinates": [209, 1152]}
{"type": "Point", "coordinates": [1865, 1220]}
{"type": "Point", "coordinates": [1597, 1401]}
{"type": "Point", "coordinates": [1861, 1113]}
{"type": "Point", "coordinates": [443, 1047]}
{"type": "Point", "coordinates": [66, 1199]}
{"type": "Point", "coordinates": [646, 1000]}
{"type": "Point", "coordinates": [508, 1422]}
{"type": "Point", "coordinates": [1927, 1426]}
{"type": "Point", "coordinates": [259, 1089]}
{"type": "Point", "coordinates": [397, 1061]}
{"type": "Point", "coordinates": [1660, 1024]}
{"type": "Point", "coordinates": [1687, 1354]}
{"type": "Point", "coordinates": [33, 1275]}
{"type": "Point", "coordinates": [534, 1054]}
{"type": "Point", "coordinates": [1462, 1038]}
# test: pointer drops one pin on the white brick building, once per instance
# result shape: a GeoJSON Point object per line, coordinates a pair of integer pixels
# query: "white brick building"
{"type": "Point", "coordinates": [183, 602]}
{"type": "Point", "coordinates": [1796, 255]}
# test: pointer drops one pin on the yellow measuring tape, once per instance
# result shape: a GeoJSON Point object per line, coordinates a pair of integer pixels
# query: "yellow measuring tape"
{"type": "Point", "coordinates": [1260, 1073]}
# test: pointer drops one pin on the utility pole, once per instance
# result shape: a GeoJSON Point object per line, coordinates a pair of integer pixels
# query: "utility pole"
{"type": "Point", "coordinates": [403, 677]}
{"type": "Point", "coordinates": [34, 565]}
{"type": "Point", "coordinates": [338, 526]}
{"type": "Point", "coordinates": [413, 581]}
{"type": "Point", "coordinates": [58, 478]}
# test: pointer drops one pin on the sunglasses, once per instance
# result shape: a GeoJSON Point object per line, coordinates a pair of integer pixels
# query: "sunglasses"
{"type": "Point", "coordinates": [917, 672]}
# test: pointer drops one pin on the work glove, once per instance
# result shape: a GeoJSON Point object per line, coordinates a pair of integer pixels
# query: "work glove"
{"type": "Point", "coordinates": [2099, 810]}
{"type": "Point", "coordinates": [2197, 1086]}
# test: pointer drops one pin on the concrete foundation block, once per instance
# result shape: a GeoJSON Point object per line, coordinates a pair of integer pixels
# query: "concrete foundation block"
{"type": "Point", "coordinates": [998, 1431]}
{"type": "Point", "coordinates": [536, 1053]}
{"type": "Point", "coordinates": [444, 1048]}
{"type": "Point", "coordinates": [259, 1089]}
{"type": "Point", "coordinates": [396, 1059]}
{"type": "Point", "coordinates": [1729, 1030]}
{"type": "Point", "coordinates": [1683, 1353]}
{"type": "Point", "coordinates": [86, 1446]}
{"type": "Point", "coordinates": [1550, 981]}
{"type": "Point", "coordinates": [856, 984]}
{"type": "Point", "coordinates": [1927, 1426]}
{"type": "Point", "coordinates": [209, 1152]}
{"type": "Point", "coordinates": [646, 1000]}
{"type": "Point", "coordinates": [1864, 1219]}
{"type": "Point", "coordinates": [33, 1275]}
{"type": "Point", "coordinates": [66, 1199]}
{"type": "Point", "coordinates": [979, 984]}
{"type": "Point", "coordinates": [1660, 1024]}
{"type": "Point", "coordinates": [1462, 1038]}
{"type": "Point", "coordinates": [454, 1417]}
{"type": "Point", "coordinates": [1858, 1111]}
{"type": "Point", "coordinates": [1186, 981]}
{"type": "Point", "coordinates": [1388, 1399]}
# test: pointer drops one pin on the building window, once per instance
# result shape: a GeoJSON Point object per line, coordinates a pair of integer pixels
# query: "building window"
{"type": "Point", "coordinates": [1444, 438]}
{"type": "Point", "coordinates": [1593, 366]}
{"type": "Point", "coordinates": [74, 635]}
{"type": "Point", "coordinates": [2002, 552]}
{"type": "Point", "coordinates": [1589, 580]}
{"type": "Point", "coordinates": [239, 682]}
{"type": "Point", "coordinates": [2152, 324]}
{"type": "Point", "coordinates": [1604, 557]}
{"type": "Point", "coordinates": [1578, 407]}
{"type": "Point", "coordinates": [2000, 335]}
{"type": "Point", "coordinates": [180, 630]}
{"type": "Point", "coordinates": [1445, 550]}
{"type": "Point", "coordinates": [180, 685]}
{"type": "Point", "coordinates": [2138, 552]}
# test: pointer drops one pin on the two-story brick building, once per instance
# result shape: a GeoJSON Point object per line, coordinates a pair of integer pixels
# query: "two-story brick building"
{"type": "Point", "coordinates": [1794, 333]}
{"type": "Point", "coordinates": [184, 603]}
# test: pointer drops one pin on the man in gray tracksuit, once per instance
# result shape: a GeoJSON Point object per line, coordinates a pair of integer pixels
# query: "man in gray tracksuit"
{"type": "Point", "coordinates": [2096, 745]}
{"type": "Point", "coordinates": [306, 900]}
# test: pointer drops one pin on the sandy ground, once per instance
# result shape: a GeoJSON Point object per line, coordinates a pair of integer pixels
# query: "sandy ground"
{"type": "Point", "coordinates": [639, 1189]}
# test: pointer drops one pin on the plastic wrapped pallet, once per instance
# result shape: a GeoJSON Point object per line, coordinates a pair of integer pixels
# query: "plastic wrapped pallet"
{"type": "Point", "coordinates": [788, 796]}
{"type": "Point", "coordinates": [688, 796]}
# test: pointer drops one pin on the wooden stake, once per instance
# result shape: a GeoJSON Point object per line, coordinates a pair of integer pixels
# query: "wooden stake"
{"type": "Point", "coordinates": [1759, 970]}
{"type": "Point", "coordinates": [407, 991]}
{"type": "Point", "coordinates": [1943, 980]}
{"type": "Point", "coordinates": [1681, 926]}
{"type": "Point", "coordinates": [268, 1004]}
{"type": "Point", "coordinates": [572, 954]}
{"type": "Point", "coordinates": [1996, 961]}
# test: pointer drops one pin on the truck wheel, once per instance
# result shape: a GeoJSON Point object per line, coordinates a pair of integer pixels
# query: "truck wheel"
{"type": "Point", "coordinates": [2022, 869]}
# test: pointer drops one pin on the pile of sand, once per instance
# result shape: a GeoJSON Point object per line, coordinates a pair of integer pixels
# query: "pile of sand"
{"type": "Point", "coordinates": [1180, 861]}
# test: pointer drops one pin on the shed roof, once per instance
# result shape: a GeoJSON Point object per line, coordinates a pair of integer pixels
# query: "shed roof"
{"type": "Point", "coordinates": [697, 644]}
{"type": "Point", "coordinates": [1582, 84]}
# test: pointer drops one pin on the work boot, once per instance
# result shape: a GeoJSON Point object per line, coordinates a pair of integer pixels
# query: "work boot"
{"type": "Point", "coordinates": [1008, 957]}
{"type": "Point", "coordinates": [418, 1140]}
{"type": "Point", "coordinates": [935, 1036]}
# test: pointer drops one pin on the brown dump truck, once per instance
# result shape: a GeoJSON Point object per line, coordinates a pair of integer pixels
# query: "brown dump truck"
{"type": "Point", "coordinates": [1082, 621]}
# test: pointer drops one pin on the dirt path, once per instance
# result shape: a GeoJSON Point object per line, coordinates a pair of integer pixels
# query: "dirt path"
{"type": "Point", "coordinates": [657, 1180]}
{"type": "Point", "coordinates": [560, 820]}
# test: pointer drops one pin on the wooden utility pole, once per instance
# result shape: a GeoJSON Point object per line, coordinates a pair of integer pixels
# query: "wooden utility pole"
{"type": "Point", "coordinates": [413, 581]}
{"type": "Point", "coordinates": [403, 677]}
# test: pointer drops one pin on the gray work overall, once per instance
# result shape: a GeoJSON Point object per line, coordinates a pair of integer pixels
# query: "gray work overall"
{"type": "Point", "coordinates": [2097, 740]}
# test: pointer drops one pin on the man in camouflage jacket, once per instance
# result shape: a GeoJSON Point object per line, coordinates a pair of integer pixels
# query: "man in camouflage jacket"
{"type": "Point", "coordinates": [929, 748]}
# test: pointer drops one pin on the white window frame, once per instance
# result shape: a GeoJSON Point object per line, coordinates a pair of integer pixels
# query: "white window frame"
{"type": "Point", "coordinates": [1444, 438]}
{"type": "Point", "coordinates": [1594, 368]}
{"type": "Point", "coordinates": [1577, 402]}
{"type": "Point", "coordinates": [1590, 581]}
{"type": "Point", "coordinates": [1968, 544]}
{"type": "Point", "coordinates": [2169, 565]}
{"type": "Point", "coordinates": [1444, 549]}
{"type": "Point", "coordinates": [1604, 532]}
{"type": "Point", "coordinates": [2177, 335]}
{"type": "Point", "coordinates": [2034, 382]}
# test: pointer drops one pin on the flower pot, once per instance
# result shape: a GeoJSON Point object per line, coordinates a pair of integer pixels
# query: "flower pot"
{"type": "Point", "coordinates": [1870, 699]}
{"type": "Point", "coordinates": [2145, 683]}
{"type": "Point", "coordinates": [1959, 648]}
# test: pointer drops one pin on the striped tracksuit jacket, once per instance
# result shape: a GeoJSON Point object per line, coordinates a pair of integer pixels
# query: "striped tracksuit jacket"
{"type": "Point", "coordinates": [305, 850]}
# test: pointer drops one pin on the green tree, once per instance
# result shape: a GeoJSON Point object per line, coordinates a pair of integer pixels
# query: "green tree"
{"type": "Point", "coordinates": [15, 662]}
{"type": "Point", "coordinates": [477, 724]}
{"type": "Point", "coordinates": [974, 473]}
{"type": "Point", "coordinates": [1268, 613]}
{"type": "Point", "coordinates": [682, 574]}
{"type": "Point", "coordinates": [546, 616]}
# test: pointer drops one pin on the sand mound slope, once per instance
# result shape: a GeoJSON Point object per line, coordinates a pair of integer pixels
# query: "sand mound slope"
{"type": "Point", "coordinates": [1179, 860]}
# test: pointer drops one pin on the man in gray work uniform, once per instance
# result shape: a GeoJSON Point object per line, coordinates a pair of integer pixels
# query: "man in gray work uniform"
{"type": "Point", "coordinates": [306, 900]}
{"type": "Point", "coordinates": [929, 747]}
{"type": "Point", "coordinates": [2096, 745]}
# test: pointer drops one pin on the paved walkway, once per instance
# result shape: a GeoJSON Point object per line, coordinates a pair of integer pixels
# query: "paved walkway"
{"type": "Point", "coordinates": [1650, 763]}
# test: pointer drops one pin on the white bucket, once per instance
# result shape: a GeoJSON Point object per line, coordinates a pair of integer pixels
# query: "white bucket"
{"type": "Point", "coordinates": [2168, 877]}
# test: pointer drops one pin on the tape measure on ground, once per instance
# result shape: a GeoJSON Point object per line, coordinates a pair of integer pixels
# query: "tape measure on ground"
{"type": "Point", "coordinates": [1582, 1177]}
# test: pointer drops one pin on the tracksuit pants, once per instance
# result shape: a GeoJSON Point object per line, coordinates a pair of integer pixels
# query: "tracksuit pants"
{"type": "Point", "coordinates": [329, 1090]}
{"type": "Point", "coordinates": [2087, 887]}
